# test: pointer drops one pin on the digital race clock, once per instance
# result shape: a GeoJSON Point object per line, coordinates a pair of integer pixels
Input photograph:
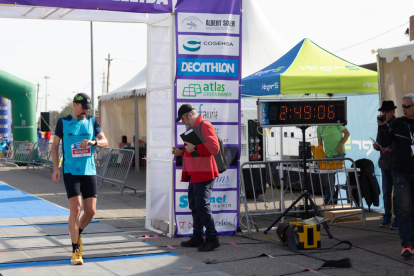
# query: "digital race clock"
{"type": "Point", "coordinates": [307, 112]}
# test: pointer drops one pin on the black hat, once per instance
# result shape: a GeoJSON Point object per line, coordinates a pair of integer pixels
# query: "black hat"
{"type": "Point", "coordinates": [185, 108]}
{"type": "Point", "coordinates": [83, 99]}
{"type": "Point", "coordinates": [387, 106]}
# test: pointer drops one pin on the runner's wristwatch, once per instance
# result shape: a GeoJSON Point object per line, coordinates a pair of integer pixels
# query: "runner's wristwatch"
{"type": "Point", "coordinates": [96, 142]}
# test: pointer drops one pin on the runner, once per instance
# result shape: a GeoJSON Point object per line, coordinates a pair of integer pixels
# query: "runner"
{"type": "Point", "coordinates": [79, 134]}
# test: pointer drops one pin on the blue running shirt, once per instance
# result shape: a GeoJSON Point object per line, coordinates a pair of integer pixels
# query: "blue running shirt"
{"type": "Point", "coordinates": [77, 161]}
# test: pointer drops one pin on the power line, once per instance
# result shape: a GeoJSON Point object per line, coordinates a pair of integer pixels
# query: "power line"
{"type": "Point", "coordinates": [371, 38]}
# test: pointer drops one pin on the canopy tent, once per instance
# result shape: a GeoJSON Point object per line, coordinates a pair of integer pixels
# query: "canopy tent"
{"type": "Point", "coordinates": [309, 69]}
{"type": "Point", "coordinates": [118, 110]}
{"type": "Point", "coordinates": [396, 73]}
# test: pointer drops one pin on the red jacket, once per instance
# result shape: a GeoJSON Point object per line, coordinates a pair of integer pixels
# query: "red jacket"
{"type": "Point", "coordinates": [202, 168]}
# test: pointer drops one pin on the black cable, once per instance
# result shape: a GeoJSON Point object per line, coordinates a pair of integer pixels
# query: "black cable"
{"type": "Point", "coordinates": [376, 253]}
{"type": "Point", "coordinates": [368, 230]}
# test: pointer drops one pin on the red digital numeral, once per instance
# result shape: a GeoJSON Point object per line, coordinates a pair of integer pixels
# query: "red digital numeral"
{"type": "Point", "coordinates": [283, 113]}
{"type": "Point", "coordinates": [307, 112]}
{"type": "Point", "coordinates": [298, 112]}
{"type": "Point", "coordinates": [321, 112]}
{"type": "Point", "coordinates": [331, 112]}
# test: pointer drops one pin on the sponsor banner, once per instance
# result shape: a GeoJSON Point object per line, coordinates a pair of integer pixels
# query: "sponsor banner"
{"type": "Point", "coordinates": [205, 67]}
{"type": "Point", "coordinates": [136, 6]}
{"type": "Point", "coordinates": [219, 201]}
{"type": "Point", "coordinates": [217, 112]}
{"type": "Point", "coordinates": [208, 89]}
{"type": "Point", "coordinates": [208, 50]}
{"type": "Point", "coordinates": [225, 132]}
{"type": "Point", "coordinates": [208, 45]}
{"type": "Point", "coordinates": [224, 222]}
{"type": "Point", "coordinates": [208, 23]}
{"type": "Point", "coordinates": [226, 180]}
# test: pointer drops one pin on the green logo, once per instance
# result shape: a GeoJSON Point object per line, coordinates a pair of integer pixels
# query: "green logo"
{"type": "Point", "coordinates": [192, 90]}
{"type": "Point", "coordinates": [208, 90]}
{"type": "Point", "coordinates": [78, 98]}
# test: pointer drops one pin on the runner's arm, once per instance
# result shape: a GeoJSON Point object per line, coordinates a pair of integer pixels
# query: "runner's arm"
{"type": "Point", "coordinates": [55, 152]}
{"type": "Point", "coordinates": [102, 141]}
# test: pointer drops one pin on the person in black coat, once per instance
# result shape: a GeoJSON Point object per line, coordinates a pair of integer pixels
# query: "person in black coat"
{"type": "Point", "coordinates": [401, 132]}
{"type": "Point", "coordinates": [385, 164]}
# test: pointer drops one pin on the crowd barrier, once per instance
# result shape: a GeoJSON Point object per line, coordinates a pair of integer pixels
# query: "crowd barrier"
{"type": "Point", "coordinates": [112, 165]}
{"type": "Point", "coordinates": [116, 166]}
{"type": "Point", "coordinates": [19, 153]}
{"type": "Point", "coordinates": [42, 156]}
{"type": "Point", "coordinates": [101, 159]}
{"type": "Point", "coordinates": [289, 175]}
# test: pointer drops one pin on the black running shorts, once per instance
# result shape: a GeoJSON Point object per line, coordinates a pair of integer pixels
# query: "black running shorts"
{"type": "Point", "coordinates": [77, 185]}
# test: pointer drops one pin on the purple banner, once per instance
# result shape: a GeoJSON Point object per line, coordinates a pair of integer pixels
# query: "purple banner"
{"type": "Point", "coordinates": [135, 6]}
{"type": "Point", "coordinates": [208, 66]}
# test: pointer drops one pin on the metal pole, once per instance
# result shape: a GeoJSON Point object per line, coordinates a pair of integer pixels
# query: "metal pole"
{"type": "Point", "coordinates": [92, 77]}
{"type": "Point", "coordinates": [46, 78]}
{"type": "Point", "coordinates": [136, 144]}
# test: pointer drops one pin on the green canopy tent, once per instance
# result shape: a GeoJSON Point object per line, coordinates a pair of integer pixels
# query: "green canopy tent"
{"type": "Point", "coordinates": [309, 69]}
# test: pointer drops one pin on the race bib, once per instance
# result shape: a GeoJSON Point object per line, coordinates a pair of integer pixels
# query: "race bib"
{"type": "Point", "coordinates": [80, 152]}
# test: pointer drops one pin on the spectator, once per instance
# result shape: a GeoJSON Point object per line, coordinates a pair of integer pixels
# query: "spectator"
{"type": "Point", "coordinates": [200, 172]}
{"type": "Point", "coordinates": [385, 164]}
{"type": "Point", "coordinates": [400, 131]}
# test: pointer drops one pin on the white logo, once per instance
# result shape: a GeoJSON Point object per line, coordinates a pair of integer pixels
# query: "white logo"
{"type": "Point", "coordinates": [217, 67]}
{"type": "Point", "coordinates": [370, 84]}
{"type": "Point", "coordinates": [23, 122]}
{"type": "Point", "coordinates": [328, 68]}
{"type": "Point", "coordinates": [157, 2]}
{"type": "Point", "coordinates": [267, 87]}
{"type": "Point", "coordinates": [262, 72]}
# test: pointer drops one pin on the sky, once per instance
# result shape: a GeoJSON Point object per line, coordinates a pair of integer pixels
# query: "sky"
{"type": "Point", "coordinates": [33, 49]}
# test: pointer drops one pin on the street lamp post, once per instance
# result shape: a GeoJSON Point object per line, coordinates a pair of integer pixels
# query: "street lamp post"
{"type": "Point", "coordinates": [46, 78]}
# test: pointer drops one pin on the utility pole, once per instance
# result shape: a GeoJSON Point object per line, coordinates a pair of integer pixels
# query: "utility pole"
{"type": "Point", "coordinates": [412, 28]}
{"type": "Point", "coordinates": [103, 82]}
{"type": "Point", "coordinates": [46, 78]}
{"type": "Point", "coordinates": [107, 77]}
{"type": "Point", "coordinates": [37, 100]}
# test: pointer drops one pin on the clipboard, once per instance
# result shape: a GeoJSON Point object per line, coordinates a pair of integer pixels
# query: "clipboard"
{"type": "Point", "coordinates": [193, 136]}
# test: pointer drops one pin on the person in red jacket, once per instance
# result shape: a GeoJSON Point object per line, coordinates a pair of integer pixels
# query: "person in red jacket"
{"type": "Point", "coordinates": [200, 172]}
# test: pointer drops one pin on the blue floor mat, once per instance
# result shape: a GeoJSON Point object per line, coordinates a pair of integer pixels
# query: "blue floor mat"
{"type": "Point", "coordinates": [17, 204]}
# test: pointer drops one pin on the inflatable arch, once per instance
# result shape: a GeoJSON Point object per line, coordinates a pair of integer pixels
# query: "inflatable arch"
{"type": "Point", "coordinates": [22, 95]}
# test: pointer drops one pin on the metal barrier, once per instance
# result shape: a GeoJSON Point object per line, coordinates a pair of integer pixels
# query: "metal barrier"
{"type": "Point", "coordinates": [101, 159]}
{"type": "Point", "coordinates": [116, 169]}
{"type": "Point", "coordinates": [42, 156]}
{"type": "Point", "coordinates": [292, 171]}
{"type": "Point", "coordinates": [19, 152]}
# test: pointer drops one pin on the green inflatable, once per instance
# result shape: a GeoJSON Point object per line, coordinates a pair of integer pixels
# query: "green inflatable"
{"type": "Point", "coordinates": [22, 95]}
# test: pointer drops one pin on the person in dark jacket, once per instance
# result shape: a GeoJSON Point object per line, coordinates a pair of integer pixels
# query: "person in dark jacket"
{"type": "Point", "coordinates": [201, 172]}
{"type": "Point", "coordinates": [400, 131]}
{"type": "Point", "coordinates": [385, 163]}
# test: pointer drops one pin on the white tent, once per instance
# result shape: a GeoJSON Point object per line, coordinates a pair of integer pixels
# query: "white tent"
{"type": "Point", "coordinates": [396, 73]}
{"type": "Point", "coordinates": [118, 110]}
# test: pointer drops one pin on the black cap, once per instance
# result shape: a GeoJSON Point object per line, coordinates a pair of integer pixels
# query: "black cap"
{"type": "Point", "coordinates": [387, 106]}
{"type": "Point", "coordinates": [185, 108]}
{"type": "Point", "coordinates": [83, 99]}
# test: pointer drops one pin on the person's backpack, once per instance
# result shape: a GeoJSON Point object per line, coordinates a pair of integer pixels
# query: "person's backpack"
{"type": "Point", "coordinates": [220, 157]}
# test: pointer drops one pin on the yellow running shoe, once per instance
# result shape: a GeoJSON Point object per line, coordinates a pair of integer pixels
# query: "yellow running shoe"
{"type": "Point", "coordinates": [80, 244]}
{"type": "Point", "coordinates": [77, 258]}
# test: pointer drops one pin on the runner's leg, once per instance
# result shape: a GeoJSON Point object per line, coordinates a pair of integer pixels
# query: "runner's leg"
{"type": "Point", "coordinates": [75, 210]}
{"type": "Point", "coordinates": [89, 210]}
{"type": "Point", "coordinates": [89, 190]}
